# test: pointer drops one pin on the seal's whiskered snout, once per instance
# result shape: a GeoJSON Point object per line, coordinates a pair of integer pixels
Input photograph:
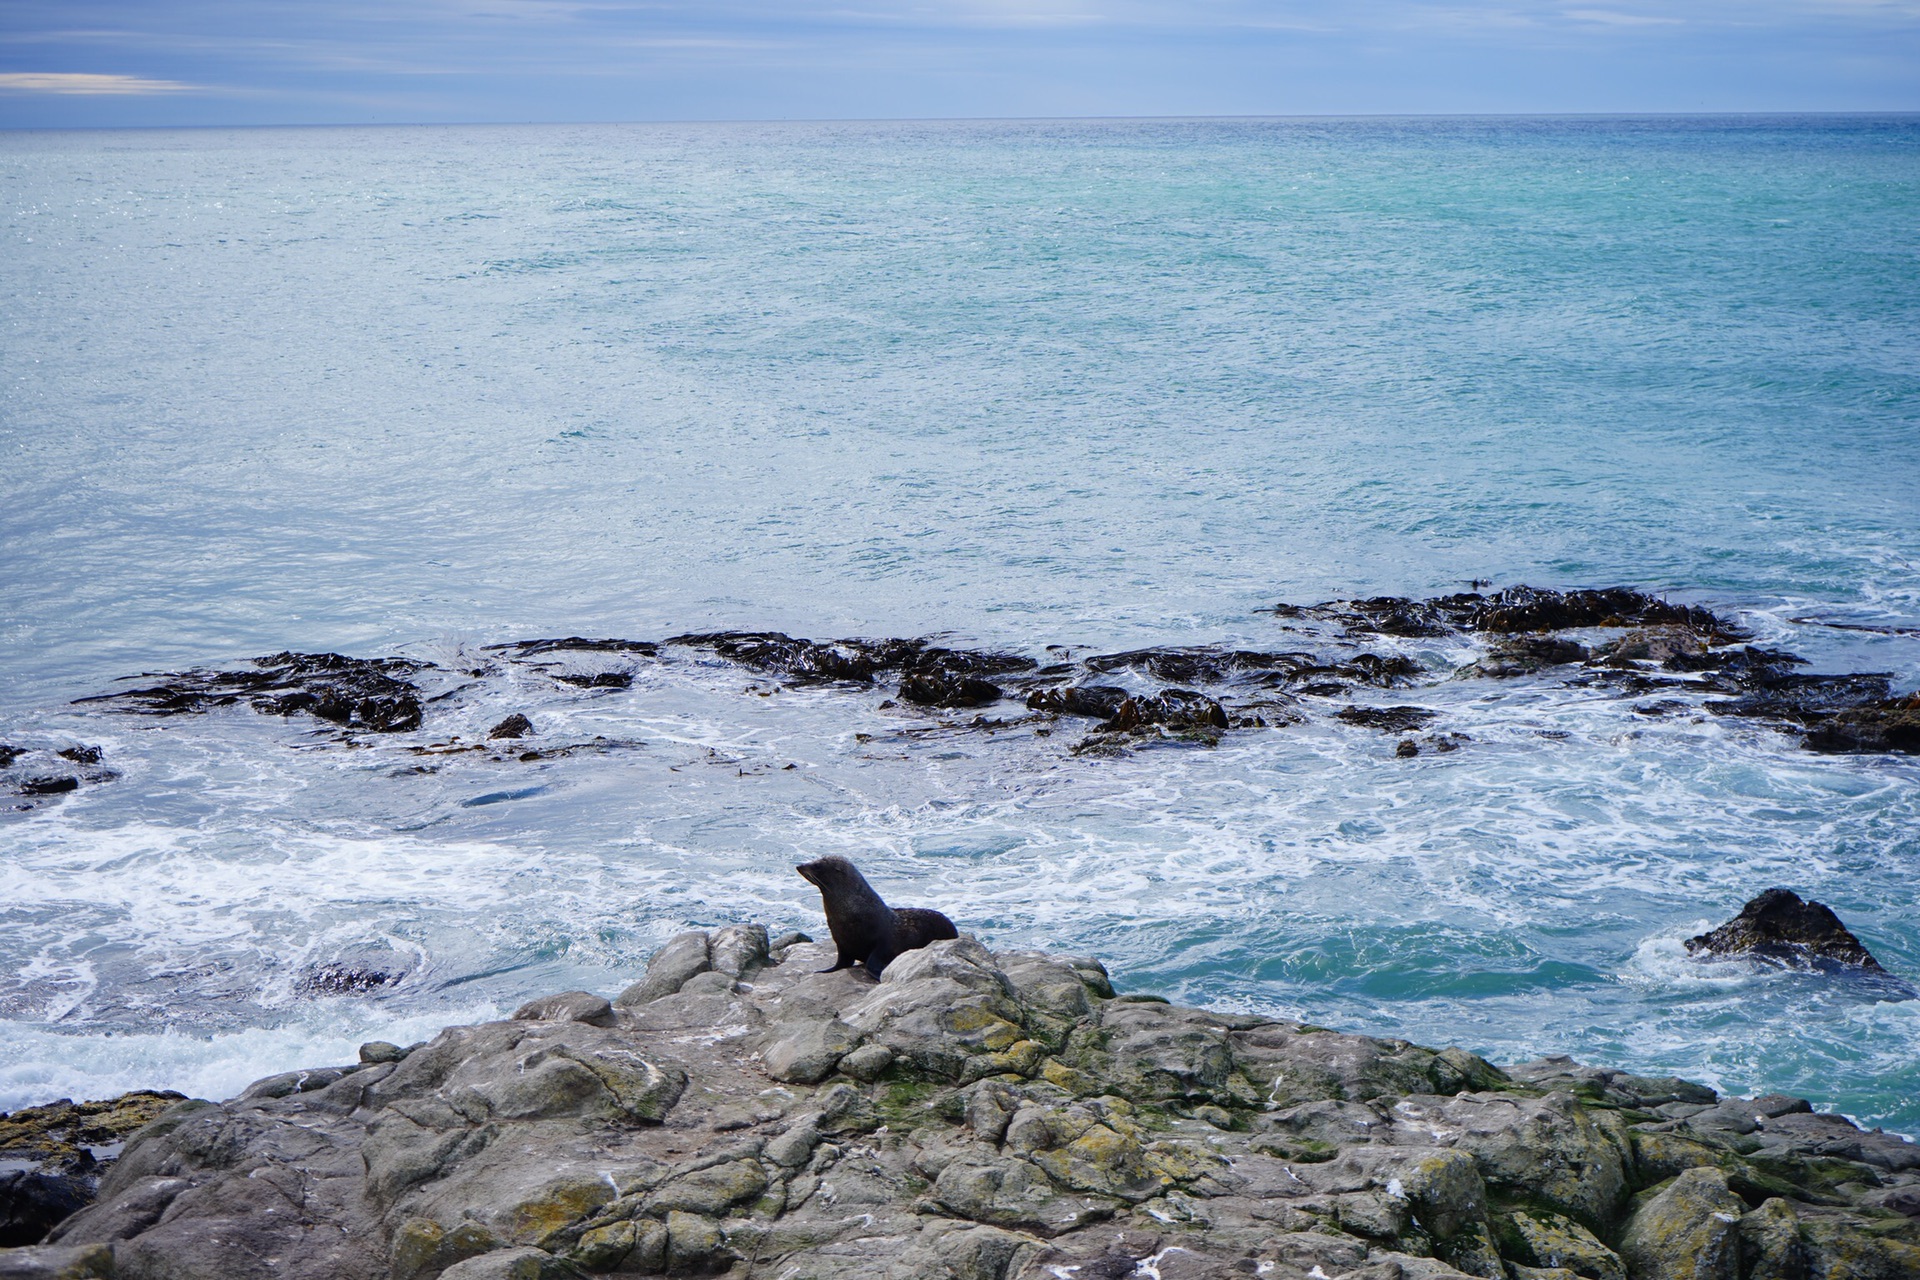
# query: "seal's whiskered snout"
{"type": "Point", "coordinates": [866, 931]}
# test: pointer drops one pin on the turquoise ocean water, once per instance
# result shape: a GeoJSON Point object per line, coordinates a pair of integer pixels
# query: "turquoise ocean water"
{"type": "Point", "coordinates": [420, 390]}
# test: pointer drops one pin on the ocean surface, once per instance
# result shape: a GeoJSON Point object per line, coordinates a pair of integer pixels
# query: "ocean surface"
{"type": "Point", "coordinates": [417, 391]}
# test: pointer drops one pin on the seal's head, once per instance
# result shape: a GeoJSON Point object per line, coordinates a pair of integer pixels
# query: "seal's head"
{"type": "Point", "coordinates": [828, 873]}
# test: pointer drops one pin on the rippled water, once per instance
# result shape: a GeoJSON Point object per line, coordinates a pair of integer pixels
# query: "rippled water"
{"type": "Point", "coordinates": [1096, 385]}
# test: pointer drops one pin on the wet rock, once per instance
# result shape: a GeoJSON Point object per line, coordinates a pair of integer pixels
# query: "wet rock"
{"type": "Point", "coordinates": [372, 694]}
{"type": "Point", "coordinates": [1890, 726]}
{"type": "Point", "coordinates": [374, 1052]}
{"type": "Point", "coordinates": [1526, 655]}
{"type": "Point", "coordinates": [514, 726]}
{"type": "Point", "coordinates": [595, 679]}
{"type": "Point", "coordinates": [801, 659]}
{"type": "Point", "coordinates": [10, 753]}
{"type": "Point", "coordinates": [1174, 708]}
{"type": "Point", "coordinates": [1199, 664]}
{"type": "Point", "coordinates": [958, 662]}
{"type": "Point", "coordinates": [49, 786]}
{"type": "Point", "coordinates": [1540, 609]}
{"type": "Point", "coordinates": [1399, 616]}
{"type": "Point", "coordinates": [1780, 927]}
{"type": "Point", "coordinates": [33, 1203]}
{"type": "Point", "coordinates": [1406, 749]}
{"type": "Point", "coordinates": [1384, 671]}
{"type": "Point", "coordinates": [357, 971]}
{"type": "Point", "coordinates": [578, 644]}
{"type": "Point", "coordinates": [1386, 719]}
{"type": "Point", "coordinates": [1099, 701]}
{"type": "Point", "coordinates": [943, 689]}
{"type": "Point", "coordinates": [1809, 700]}
{"type": "Point", "coordinates": [1672, 647]}
{"type": "Point", "coordinates": [80, 755]}
{"type": "Point", "coordinates": [1741, 667]}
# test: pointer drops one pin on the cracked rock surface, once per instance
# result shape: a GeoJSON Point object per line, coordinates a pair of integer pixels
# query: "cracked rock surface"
{"type": "Point", "coordinates": [973, 1116]}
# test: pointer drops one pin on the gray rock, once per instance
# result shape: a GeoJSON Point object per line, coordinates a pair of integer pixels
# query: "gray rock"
{"type": "Point", "coordinates": [1688, 1230]}
{"type": "Point", "coordinates": [739, 949]}
{"type": "Point", "coordinates": [868, 1062]}
{"type": "Point", "coordinates": [512, 1264]}
{"type": "Point", "coordinates": [54, 1262]}
{"type": "Point", "coordinates": [808, 1053]}
{"type": "Point", "coordinates": [669, 969]}
{"type": "Point", "coordinates": [568, 1006]}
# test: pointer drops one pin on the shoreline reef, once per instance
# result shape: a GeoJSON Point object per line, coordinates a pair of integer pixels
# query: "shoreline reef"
{"type": "Point", "coordinates": [1335, 661]}
{"type": "Point", "coordinates": [970, 1116]}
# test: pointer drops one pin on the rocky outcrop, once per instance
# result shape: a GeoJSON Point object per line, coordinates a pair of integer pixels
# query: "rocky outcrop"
{"type": "Point", "coordinates": [52, 1156]}
{"type": "Point", "coordinates": [973, 1116]}
{"type": "Point", "coordinates": [1780, 927]}
{"type": "Point", "coordinates": [1615, 641]}
{"type": "Point", "coordinates": [36, 773]}
{"type": "Point", "coordinates": [376, 695]}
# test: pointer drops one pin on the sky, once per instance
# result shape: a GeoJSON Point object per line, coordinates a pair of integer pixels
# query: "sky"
{"type": "Point", "coordinates": [78, 63]}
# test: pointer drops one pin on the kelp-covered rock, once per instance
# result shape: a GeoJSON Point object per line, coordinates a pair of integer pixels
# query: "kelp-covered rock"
{"type": "Point", "coordinates": [1615, 641]}
{"type": "Point", "coordinates": [1890, 725]}
{"type": "Point", "coordinates": [373, 694]}
{"type": "Point", "coordinates": [1781, 927]}
{"type": "Point", "coordinates": [972, 1116]}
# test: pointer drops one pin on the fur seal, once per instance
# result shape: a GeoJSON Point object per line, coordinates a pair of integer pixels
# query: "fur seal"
{"type": "Point", "coordinates": [865, 929]}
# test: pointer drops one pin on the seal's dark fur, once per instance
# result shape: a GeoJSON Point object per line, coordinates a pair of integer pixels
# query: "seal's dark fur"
{"type": "Point", "coordinates": [866, 931]}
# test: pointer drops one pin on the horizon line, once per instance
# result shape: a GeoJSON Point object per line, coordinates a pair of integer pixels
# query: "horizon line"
{"type": "Point", "coordinates": [1865, 113]}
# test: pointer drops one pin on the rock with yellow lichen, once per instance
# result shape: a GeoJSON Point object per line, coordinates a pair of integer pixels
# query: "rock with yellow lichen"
{"type": "Point", "coordinates": [974, 1116]}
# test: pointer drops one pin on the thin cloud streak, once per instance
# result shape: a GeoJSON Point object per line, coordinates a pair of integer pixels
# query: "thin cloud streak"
{"type": "Point", "coordinates": [88, 84]}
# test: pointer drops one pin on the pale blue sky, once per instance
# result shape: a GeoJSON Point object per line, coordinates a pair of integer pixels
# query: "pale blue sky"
{"type": "Point", "coordinates": [155, 62]}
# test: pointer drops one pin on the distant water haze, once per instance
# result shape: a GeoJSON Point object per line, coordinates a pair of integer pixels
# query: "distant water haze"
{"type": "Point", "coordinates": [1098, 385]}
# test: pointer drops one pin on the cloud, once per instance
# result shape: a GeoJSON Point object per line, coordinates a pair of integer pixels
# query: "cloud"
{"type": "Point", "coordinates": [1613, 18]}
{"type": "Point", "coordinates": [87, 84]}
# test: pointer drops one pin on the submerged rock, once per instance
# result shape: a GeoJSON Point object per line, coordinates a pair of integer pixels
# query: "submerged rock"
{"type": "Point", "coordinates": [1779, 926]}
{"type": "Point", "coordinates": [972, 1116]}
{"type": "Point", "coordinates": [514, 726]}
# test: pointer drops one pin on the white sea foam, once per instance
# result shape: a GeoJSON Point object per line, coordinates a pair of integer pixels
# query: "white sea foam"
{"type": "Point", "coordinates": [40, 1065]}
